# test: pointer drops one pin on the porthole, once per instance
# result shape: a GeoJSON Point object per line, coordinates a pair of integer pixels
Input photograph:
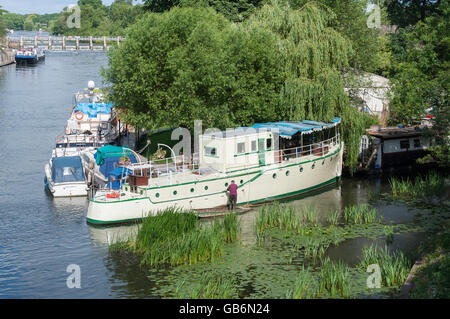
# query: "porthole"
{"type": "Point", "coordinates": [274, 175]}
{"type": "Point", "coordinates": [323, 162]}
{"type": "Point", "coordinates": [313, 165]}
{"type": "Point", "coordinates": [301, 169]}
{"type": "Point", "coordinates": [206, 188]}
{"type": "Point", "coordinates": [175, 192]}
{"type": "Point", "coordinates": [192, 190]}
{"type": "Point", "coordinates": [126, 189]}
{"type": "Point", "coordinates": [157, 194]}
{"type": "Point", "coordinates": [226, 184]}
{"type": "Point", "coordinates": [242, 181]}
{"type": "Point", "coordinates": [287, 173]}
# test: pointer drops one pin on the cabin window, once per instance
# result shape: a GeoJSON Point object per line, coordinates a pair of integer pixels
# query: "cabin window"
{"type": "Point", "coordinates": [254, 146]}
{"type": "Point", "coordinates": [404, 144]}
{"type": "Point", "coordinates": [210, 151]}
{"type": "Point", "coordinates": [416, 142]}
{"type": "Point", "coordinates": [269, 143]}
{"type": "Point", "coordinates": [241, 148]}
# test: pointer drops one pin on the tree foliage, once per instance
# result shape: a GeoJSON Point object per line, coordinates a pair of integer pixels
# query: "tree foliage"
{"type": "Point", "coordinates": [421, 67]}
{"type": "Point", "coordinates": [2, 23]}
{"type": "Point", "coordinates": [192, 63]}
{"type": "Point", "coordinates": [234, 10]}
{"type": "Point", "coordinates": [99, 20]}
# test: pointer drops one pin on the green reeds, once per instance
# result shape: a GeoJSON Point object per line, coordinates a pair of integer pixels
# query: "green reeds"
{"type": "Point", "coordinates": [389, 233]}
{"type": "Point", "coordinates": [333, 217]}
{"type": "Point", "coordinates": [417, 188]}
{"type": "Point", "coordinates": [176, 237]}
{"type": "Point", "coordinates": [231, 227]}
{"type": "Point", "coordinates": [360, 214]}
{"type": "Point", "coordinates": [285, 217]}
{"type": "Point", "coordinates": [210, 286]}
{"type": "Point", "coordinates": [334, 278]}
{"type": "Point", "coordinates": [304, 286]}
{"type": "Point", "coordinates": [394, 266]}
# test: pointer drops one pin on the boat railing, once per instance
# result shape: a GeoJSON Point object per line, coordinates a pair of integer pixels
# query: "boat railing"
{"type": "Point", "coordinates": [165, 166]}
{"type": "Point", "coordinates": [317, 149]}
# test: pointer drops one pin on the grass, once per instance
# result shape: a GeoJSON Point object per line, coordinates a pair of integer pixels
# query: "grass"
{"type": "Point", "coordinates": [432, 278]}
{"type": "Point", "coordinates": [210, 286]}
{"type": "Point", "coordinates": [394, 266]}
{"type": "Point", "coordinates": [175, 237]}
{"type": "Point", "coordinates": [360, 214]}
{"type": "Point", "coordinates": [420, 187]}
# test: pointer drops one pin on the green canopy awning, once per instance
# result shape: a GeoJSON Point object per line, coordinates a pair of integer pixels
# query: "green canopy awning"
{"type": "Point", "coordinates": [110, 151]}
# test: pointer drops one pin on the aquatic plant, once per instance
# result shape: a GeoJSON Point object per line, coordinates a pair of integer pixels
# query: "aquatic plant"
{"type": "Point", "coordinates": [394, 266]}
{"type": "Point", "coordinates": [418, 188]}
{"type": "Point", "coordinates": [286, 217]}
{"type": "Point", "coordinates": [231, 227]}
{"type": "Point", "coordinates": [176, 237]}
{"type": "Point", "coordinates": [389, 233]}
{"type": "Point", "coordinates": [334, 278]}
{"type": "Point", "coordinates": [360, 214]}
{"type": "Point", "coordinates": [333, 217]}
{"type": "Point", "coordinates": [210, 286]}
{"type": "Point", "coordinates": [304, 286]}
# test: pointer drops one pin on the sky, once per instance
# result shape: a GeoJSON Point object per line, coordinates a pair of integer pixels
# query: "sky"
{"type": "Point", "coordinates": [39, 6]}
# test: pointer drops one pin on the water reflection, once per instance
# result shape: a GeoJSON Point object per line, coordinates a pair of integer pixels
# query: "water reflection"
{"type": "Point", "coordinates": [112, 234]}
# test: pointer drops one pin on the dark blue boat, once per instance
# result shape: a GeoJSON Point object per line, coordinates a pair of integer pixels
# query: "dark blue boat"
{"type": "Point", "coordinates": [29, 56]}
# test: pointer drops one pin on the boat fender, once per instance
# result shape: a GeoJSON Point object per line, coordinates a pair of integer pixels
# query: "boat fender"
{"type": "Point", "coordinates": [79, 115]}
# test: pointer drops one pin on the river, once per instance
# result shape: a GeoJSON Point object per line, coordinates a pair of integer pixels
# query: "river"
{"type": "Point", "coordinates": [41, 236]}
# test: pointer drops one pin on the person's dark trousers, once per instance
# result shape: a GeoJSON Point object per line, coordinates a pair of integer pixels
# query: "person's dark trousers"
{"type": "Point", "coordinates": [233, 200]}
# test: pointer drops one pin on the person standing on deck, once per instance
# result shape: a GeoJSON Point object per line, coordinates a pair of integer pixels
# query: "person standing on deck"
{"type": "Point", "coordinates": [232, 195]}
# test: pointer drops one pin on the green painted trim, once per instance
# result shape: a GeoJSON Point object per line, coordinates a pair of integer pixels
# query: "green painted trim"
{"type": "Point", "coordinates": [253, 152]}
{"type": "Point", "coordinates": [305, 190]}
{"type": "Point", "coordinates": [120, 221]}
{"type": "Point", "coordinates": [293, 193]}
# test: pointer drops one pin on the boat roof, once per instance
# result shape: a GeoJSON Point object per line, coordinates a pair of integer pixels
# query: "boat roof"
{"type": "Point", "coordinates": [112, 151]}
{"type": "Point", "coordinates": [394, 132]}
{"type": "Point", "coordinates": [67, 161]}
{"type": "Point", "coordinates": [285, 129]}
{"type": "Point", "coordinates": [92, 109]}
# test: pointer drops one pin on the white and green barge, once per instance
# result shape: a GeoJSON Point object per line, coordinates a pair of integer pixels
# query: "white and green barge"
{"type": "Point", "coordinates": [267, 161]}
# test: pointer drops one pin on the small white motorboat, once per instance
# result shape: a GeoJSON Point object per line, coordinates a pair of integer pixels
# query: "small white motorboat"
{"type": "Point", "coordinates": [65, 177]}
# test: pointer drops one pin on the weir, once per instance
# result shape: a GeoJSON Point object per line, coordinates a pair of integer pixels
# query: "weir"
{"type": "Point", "coordinates": [63, 43]}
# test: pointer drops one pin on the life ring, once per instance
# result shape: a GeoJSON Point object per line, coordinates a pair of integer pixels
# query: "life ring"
{"type": "Point", "coordinates": [79, 115]}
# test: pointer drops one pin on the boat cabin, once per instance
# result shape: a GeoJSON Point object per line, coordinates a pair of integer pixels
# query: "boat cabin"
{"type": "Point", "coordinates": [265, 144]}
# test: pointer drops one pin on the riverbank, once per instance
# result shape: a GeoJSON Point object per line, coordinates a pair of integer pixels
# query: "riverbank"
{"type": "Point", "coordinates": [6, 56]}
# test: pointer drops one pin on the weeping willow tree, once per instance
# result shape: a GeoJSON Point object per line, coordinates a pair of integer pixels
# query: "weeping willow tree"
{"type": "Point", "coordinates": [314, 56]}
{"type": "Point", "coordinates": [191, 63]}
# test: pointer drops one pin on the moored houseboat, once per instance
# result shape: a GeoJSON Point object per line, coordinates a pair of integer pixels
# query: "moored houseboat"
{"type": "Point", "coordinates": [267, 161]}
{"type": "Point", "coordinates": [399, 146]}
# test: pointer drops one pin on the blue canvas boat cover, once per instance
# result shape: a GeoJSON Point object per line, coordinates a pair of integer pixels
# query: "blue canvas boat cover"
{"type": "Point", "coordinates": [67, 169]}
{"type": "Point", "coordinates": [288, 129]}
{"type": "Point", "coordinates": [92, 109]}
{"type": "Point", "coordinates": [116, 175]}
